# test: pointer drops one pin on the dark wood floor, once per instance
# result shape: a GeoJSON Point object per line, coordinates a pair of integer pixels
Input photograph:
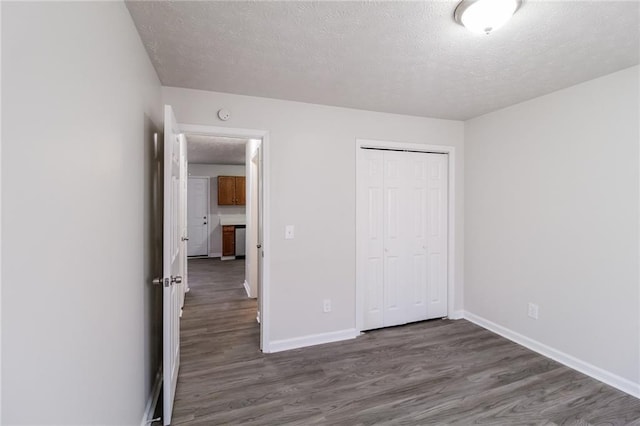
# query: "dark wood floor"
{"type": "Point", "coordinates": [435, 372]}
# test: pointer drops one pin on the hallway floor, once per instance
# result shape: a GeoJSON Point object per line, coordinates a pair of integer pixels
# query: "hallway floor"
{"type": "Point", "coordinates": [218, 332]}
{"type": "Point", "coordinates": [433, 372]}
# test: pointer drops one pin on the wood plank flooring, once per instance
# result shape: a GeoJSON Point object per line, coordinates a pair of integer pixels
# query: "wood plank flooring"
{"type": "Point", "coordinates": [435, 372]}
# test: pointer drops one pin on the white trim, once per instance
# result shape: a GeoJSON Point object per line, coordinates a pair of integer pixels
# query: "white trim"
{"type": "Point", "coordinates": [219, 254]}
{"type": "Point", "coordinates": [252, 259]}
{"type": "Point", "coordinates": [231, 132]}
{"type": "Point", "coordinates": [0, 221]}
{"type": "Point", "coordinates": [247, 289]}
{"type": "Point", "coordinates": [264, 301]}
{"type": "Point", "coordinates": [456, 315]}
{"type": "Point", "coordinates": [443, 149]}
{"type": "Point", "coordinates": [152, 401]}
{"type": "Point", "coordinates": [584, 367]}
{"type": "Point", "coordinates": [312, 340]}
{"type": "Point", "coordinates": [265, 283]}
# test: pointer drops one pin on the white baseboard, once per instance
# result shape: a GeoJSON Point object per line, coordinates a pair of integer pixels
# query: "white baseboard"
{"type": "Point", "coordinates": [456, 315]}
{"type": "Point", "coordinates": [247, 288]}
{"type": "Point", "coordinates": [227, 258]}
{"type": "Point", "coordinates": [215, 254]}
{"type": "Point", "coordinates": [312, 340]}
{"type": "Point", "coordinates": [591, 370]}
{"type": "Point", "coordinates": [152, 401]}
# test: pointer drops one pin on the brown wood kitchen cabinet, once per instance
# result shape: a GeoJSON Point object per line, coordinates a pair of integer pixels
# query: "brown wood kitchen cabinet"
{"type": "Point", "coordinates": [231, 191]}
{"type": "Point", "coordinates": [228, 240]}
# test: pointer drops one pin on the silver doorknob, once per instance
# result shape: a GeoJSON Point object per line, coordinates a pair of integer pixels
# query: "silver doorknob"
{"type": "Point", "coordinates": [157, 281]}
{"type": "Point", "coordinates": [185, 239]}
{"type": "Point", "coordinates": [176, 280]}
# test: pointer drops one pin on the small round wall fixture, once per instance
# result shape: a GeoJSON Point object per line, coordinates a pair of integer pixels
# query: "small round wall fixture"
{"type": "Point", "coordinates": [485, 16]}
{"type": "Point", "coordinates": [224, 114]}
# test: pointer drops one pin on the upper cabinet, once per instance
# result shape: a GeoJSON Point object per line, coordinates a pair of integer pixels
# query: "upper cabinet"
{"type": "Point", "coordinates": [241, 191]}
{"type": "Point", "coordinates": [231, 191]}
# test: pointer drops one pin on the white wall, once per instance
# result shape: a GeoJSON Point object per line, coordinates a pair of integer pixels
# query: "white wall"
{"type": "Point", "coordinates": [79, 315]}
{"type": "Point", "coordinates": [551, 215]}
{"type": "Point", "coordinates": [312, 186]}
{"type": "Point", "coordinates": [213, 171]}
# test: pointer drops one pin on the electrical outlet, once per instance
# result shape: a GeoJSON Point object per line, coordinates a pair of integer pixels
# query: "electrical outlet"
{"type": "Point", "coordinates": [533, 310]}
{"type": "Point", "coordinates": [326, 305]}
{"type": "Point", "coordinates": [289, 232]}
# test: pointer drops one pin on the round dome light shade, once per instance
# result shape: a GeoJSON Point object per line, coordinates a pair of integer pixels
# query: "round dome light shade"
{"type": "Point", "coordinates": [485, 16]}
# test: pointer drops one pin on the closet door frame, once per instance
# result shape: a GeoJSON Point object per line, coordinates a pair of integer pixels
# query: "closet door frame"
{"type": "Point", "coordinates": [360, 223]}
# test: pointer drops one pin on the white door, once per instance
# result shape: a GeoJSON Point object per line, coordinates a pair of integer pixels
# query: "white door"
{"type": "Point", "coordinates": [437, 236]}
{"type": "Point", "coordinates": [416, 236]}
{"type": "Point", "coordinates": [370, 242]}
{"type": "Point", "coordinates": [198, 214]}
{"type": "Point", "coordinates": [395, 273]}
{"type": "Point", "coordinates": [173, 246]}
{"type": "Point", "coordinates": [402, 236]}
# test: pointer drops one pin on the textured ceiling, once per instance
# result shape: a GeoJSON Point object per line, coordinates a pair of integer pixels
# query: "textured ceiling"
{"type": "Point", "coordinates": [203, 149]}
{"type": "Point", "coordinates": [400, 57]}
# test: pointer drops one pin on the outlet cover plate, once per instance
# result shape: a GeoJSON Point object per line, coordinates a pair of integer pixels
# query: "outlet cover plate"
{"type": "Point", "coordinates": [289, 232]}
{"type": "Point", "coordinates": [533, 310]}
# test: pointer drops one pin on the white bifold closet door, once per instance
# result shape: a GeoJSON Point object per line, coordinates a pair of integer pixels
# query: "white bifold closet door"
{"type": "Point", "coordinates": [403, 200]}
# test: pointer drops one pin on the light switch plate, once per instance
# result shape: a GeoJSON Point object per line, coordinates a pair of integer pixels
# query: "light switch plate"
{"type": "Point", "coordinates": [288, 232]}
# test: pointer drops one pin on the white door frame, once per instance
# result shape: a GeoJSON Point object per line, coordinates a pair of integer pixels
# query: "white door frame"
{"type": "Point", "coordinates": [208, 180]}
{"type": "Point", "coordinates": [264, 291]}
{"type": "Point", "coordinates": [183, 209]}
{"type": "Point", "coordinates": [440, 149]}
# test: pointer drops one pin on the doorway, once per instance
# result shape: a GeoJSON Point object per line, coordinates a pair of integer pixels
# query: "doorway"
{"type": "Point", "coordinates": [234, 220]}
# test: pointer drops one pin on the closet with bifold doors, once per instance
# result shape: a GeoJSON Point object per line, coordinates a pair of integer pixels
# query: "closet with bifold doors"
{"type": "Point", "coordinates": [401, 236]}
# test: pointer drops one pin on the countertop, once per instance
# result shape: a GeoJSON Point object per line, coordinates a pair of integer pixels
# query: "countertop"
{"type": "Point", "coordinates": [233, 219]}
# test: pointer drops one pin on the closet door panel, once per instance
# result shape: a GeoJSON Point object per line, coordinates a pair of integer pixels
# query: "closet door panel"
{"type": "Point", "coordinates": [395, 259]}
{"type": "Point", "coordinates": [437, 219]}
{"type": "Point", "coordinates": [371, 237]}
{"type": "Point", "coordinates": [393, 292]}
{"type": "Point", "coordinates": [416, 237]}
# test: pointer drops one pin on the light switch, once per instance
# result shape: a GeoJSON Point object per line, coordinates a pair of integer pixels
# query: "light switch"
{"type": "Point", "coordinates": [288, 232]}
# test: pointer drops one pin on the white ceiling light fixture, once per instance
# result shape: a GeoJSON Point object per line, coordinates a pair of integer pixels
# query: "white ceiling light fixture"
{"type": "Point", "coordinates": [485, 16]}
